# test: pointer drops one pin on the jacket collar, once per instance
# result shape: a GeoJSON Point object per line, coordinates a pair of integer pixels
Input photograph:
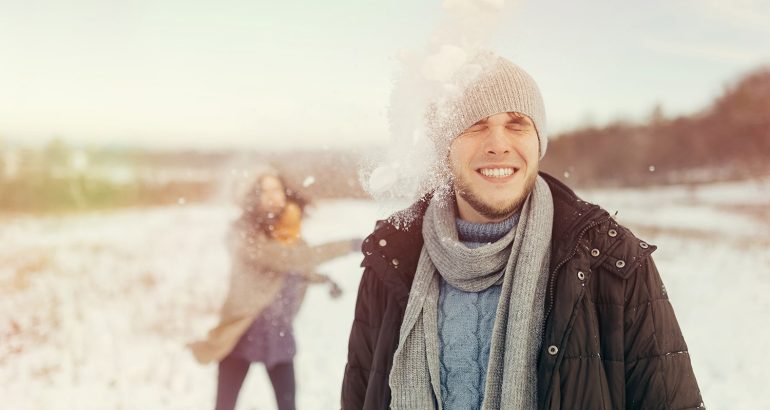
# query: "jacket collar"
{"type": "Point", "coordinates": [570, 216]}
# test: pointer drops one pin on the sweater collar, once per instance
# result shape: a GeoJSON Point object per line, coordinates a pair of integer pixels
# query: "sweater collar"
{"type": "Point", "coordinates": [484, 232]}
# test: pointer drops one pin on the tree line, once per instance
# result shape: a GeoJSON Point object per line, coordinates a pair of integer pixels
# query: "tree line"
{"type": "Point", "coordinates": [729, 139]}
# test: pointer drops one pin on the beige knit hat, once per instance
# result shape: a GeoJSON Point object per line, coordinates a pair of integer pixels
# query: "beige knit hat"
{"type": "Point", "coordinates": [488, 84]}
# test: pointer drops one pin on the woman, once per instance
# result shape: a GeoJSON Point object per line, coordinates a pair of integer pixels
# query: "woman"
{"type": "Point", "coordinates": [271, 267]}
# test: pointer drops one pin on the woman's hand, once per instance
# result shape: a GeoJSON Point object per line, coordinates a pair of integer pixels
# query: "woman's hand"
{"type": "Point", "coordinates": [334, 290]}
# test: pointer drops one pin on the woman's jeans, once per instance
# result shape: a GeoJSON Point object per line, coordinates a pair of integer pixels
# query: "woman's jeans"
{"type": "Point", "coordinates": [232, 372]}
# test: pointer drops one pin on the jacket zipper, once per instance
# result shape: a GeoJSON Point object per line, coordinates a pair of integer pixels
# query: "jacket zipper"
{"type": "Point", "coordinates": [552, 278]}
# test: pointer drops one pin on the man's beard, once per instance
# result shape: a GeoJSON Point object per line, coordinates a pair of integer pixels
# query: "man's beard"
{"type": "Point", "coordinates": [488, 210]}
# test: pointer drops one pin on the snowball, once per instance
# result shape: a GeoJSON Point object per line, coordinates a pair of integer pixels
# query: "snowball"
{"type": "Point", "coordinates": [383, 179]}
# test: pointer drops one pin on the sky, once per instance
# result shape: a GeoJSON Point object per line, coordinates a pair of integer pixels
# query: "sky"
{"type": "Point", "coordinates": [309, 74]}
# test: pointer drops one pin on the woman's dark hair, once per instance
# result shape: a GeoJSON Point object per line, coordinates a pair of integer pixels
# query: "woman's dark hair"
{"type": "Point", "coordinates": [254, 215]}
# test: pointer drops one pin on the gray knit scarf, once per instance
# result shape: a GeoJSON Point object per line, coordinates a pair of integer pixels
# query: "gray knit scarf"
{"type": "Point", "coordinates": [524, 253]}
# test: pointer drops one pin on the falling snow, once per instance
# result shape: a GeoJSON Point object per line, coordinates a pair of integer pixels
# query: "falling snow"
{"type": "Point", "coordinates": [310, 180]}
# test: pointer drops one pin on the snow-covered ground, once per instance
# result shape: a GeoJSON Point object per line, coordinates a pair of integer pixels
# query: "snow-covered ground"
{"type": "Point", "coordinates": [95, 309]}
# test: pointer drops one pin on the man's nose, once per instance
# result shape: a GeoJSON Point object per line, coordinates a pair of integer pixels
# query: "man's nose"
{"type": "Point", "coordinates": [496, 142]}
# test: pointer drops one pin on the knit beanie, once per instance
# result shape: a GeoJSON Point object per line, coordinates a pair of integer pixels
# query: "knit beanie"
{"type": "Point", "coordinates": [487, 84]}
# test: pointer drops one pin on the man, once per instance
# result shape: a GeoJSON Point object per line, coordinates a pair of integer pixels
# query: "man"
{"type": "Point", "coordinates": [507, 291]}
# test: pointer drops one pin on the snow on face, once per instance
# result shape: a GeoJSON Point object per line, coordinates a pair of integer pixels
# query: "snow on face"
{"type": "Point", "coordinates": [413, 164]}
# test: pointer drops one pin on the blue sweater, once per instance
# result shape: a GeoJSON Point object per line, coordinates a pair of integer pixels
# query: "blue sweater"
{"type": "Point", "coordinates": [465, 321]}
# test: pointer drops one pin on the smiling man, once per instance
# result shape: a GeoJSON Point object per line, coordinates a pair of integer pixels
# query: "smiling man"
{"type": "Point", "coordinates": [507, 291]}
{"type": "Point", "coordinates": [492, 175]}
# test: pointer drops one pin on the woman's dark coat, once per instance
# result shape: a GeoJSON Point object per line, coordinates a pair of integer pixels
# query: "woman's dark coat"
{"type": "Point", "coordinates": [610, 341]}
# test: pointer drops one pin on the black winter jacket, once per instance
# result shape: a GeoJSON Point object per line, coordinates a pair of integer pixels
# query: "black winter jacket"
{"type": "Point", "coordinates": [610, 340]}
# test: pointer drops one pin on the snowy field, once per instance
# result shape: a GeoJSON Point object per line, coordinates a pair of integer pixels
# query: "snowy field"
{"type": "Point", "coordinates": [95, 309]}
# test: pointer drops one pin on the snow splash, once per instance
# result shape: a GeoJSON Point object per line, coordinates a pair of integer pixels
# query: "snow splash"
{"type": "Point", "coordinates": [415, 162]}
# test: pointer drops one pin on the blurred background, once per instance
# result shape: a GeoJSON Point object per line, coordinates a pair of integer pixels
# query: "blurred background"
{"type": "Point", "coordinates": [124, 126]}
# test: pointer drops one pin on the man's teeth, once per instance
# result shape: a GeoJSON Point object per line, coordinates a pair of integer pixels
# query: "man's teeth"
{"type": "Point", "coordinates": [496, 172]}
